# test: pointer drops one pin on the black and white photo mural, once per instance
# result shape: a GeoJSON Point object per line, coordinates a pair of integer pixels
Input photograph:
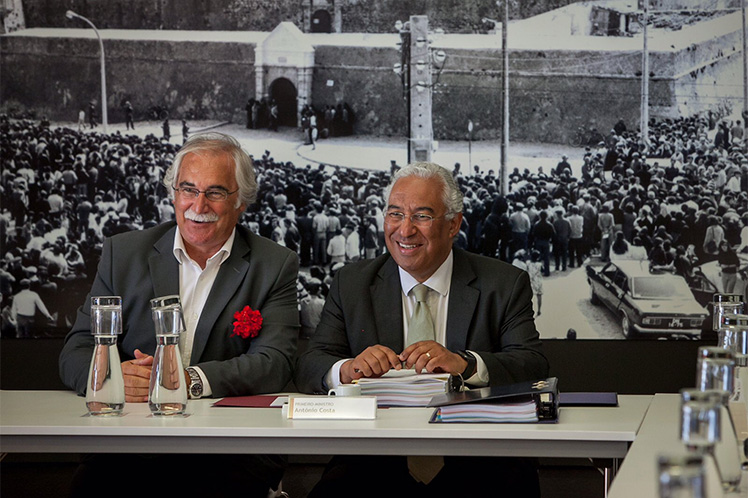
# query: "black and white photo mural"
{"type": "Point", "coordinates": [600, 146]}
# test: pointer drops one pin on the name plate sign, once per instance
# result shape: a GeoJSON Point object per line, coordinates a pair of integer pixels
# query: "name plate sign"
{"type": "Point", "coordinates": [331, 408]}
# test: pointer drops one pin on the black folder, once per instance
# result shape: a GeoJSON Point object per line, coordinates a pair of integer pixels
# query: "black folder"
{"type": "Point", "coordinates": [543, 393]}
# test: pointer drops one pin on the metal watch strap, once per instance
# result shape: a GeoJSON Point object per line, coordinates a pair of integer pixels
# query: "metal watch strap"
{"type": "Point", "coordinates": [196, 383]}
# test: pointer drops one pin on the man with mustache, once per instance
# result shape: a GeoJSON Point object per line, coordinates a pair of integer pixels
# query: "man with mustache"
{"type": "Point", "coordinates": [217, 267]}
{"type": "Point", "coordinates": [432, 307]}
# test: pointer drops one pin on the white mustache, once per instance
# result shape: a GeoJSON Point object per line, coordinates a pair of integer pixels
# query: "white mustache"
{"type": "Point", "coordinates": [200, 218]}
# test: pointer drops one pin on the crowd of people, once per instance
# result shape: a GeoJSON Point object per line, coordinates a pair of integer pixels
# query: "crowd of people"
{"type": "Point", "coordinates": [64, 191]}
{"type": "Point", "coordinates": [680, 201]}
{"type": "Point", "coordinates": [332, 121]}
{"type": "Point", "coordinates": [682, 204]}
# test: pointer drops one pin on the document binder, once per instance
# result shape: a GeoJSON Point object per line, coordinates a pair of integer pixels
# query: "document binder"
{"type": "Point", "coordinates": [535, 401]}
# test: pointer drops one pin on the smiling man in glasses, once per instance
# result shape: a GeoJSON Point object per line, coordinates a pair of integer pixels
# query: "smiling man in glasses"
{"type": "Point", "coordinates": [217, 267]}
{"type": "Point", "coordinates": [429, 306]}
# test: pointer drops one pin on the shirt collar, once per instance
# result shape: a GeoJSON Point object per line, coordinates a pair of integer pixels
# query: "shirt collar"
{"type": "Point", "coordinates": [439, 281]}
{"type": "Point", "coordinates": [180, 251]}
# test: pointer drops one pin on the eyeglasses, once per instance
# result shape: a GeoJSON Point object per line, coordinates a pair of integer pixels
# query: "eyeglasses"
{"type": "Point", "coordinates": [395, 218]}
{"type": "Point", "coordinates": [212, 194]}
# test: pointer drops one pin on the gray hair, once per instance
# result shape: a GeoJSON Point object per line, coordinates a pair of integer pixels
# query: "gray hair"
{"type": "Point", "coordinates": [451, 194]}
{"type": "Point", "coordinates": [215, 142]}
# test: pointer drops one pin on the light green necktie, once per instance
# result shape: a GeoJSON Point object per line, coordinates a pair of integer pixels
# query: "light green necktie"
{"type": "Point", "coordinates": [421, 326]}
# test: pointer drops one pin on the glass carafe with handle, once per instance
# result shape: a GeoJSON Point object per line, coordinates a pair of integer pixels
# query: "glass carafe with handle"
{"type": "Point", "coordinates": [733, 335]}
{"type": "Point", "coordinates": [715, 371]}
{"type": "Point", "coordinates": [105, 390]}
{"type": "Point", "coordinates": [682, 476]}
{"type": "Point", "coordinates": [167, 394]}
{"type": "Point", "coordinates": [724, 304]}
{"type": "Point", "coordinates": [700, 430]}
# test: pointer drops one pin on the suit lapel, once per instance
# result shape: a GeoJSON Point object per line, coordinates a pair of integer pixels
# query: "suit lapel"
{"type": "Point", "coordinates": [164, 267]}
{"type": "Point", "coordinates": [387, 306]}
{"type": "Point", "coordinates": [229, 278]}
{"type": "Point", "coordinates": [463, 300]}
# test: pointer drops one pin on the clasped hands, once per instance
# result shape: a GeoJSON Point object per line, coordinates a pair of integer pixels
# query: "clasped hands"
{"type": "Point", "coordinates": [137, 375]}
{"type": "Point", "coordinates": [376, 360]}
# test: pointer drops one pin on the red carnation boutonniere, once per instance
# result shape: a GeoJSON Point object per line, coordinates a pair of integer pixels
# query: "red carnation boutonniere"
{"type": "Point", "coordinates": [248, 323]}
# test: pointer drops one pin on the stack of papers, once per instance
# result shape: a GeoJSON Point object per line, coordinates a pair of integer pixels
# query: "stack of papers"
{"type": "Point", "coordinates": [405, 387]}
{"type": "Point", "coordinates": [480, 412]}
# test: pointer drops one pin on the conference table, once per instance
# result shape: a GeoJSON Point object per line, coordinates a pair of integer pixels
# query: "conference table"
{"type": "Point", "coordinates": [638, 475]}
{"type": "Point", "coordinates": [57, 422]}
{"type": "Point", "coordinates": [640, 429]}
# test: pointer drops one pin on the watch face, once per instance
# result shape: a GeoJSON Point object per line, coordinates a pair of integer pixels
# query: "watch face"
{"type": "Point", "coordinates": [196, 385]}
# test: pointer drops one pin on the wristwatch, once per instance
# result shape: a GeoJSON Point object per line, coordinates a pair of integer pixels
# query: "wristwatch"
{"type": "Point", "coordinates": [472, 364]}
{"type": "Point", "coordinates": [196, 383]}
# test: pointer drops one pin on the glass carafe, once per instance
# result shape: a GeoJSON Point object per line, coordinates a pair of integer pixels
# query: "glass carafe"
{"type": "Point", "coordinates": [168, 391]}
{"type": "Point", "coordinates": [715, 371]}
{"type": "Point", "coordinates": [105, 391]}
{"type": "Point", "coordinates": [700, 430]}
{"type": "Point", "coordinates": [725, 304]}
{"type": "Point", "coordinates": [734, 337]}
{"type": "Point", "coordinates": [682, 476]}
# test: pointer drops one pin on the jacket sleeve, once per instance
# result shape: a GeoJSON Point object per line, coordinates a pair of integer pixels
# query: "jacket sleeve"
{"type": "Point", "coordinates": [518, 355]}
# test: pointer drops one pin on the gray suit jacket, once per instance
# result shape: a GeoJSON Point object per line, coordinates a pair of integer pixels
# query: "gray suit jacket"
{"type": "Point", "coordinates": [490, 312]}
{"type": "Point", "coordinates": [140, 265]}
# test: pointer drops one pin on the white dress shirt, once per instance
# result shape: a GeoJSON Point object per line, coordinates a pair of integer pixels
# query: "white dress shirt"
{"type": "Point", "coordinates": [438, 300]}
{"type": "Point", "coordinates": [195, 284]}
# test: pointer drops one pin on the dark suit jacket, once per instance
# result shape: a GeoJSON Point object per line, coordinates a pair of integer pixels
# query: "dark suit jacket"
{"type": "Point", "coordinates": [490, 312]}
{"type": "Point", "coordinates": [140, 265]}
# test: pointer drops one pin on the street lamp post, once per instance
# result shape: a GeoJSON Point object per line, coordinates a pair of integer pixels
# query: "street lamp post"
{"type": "Point", "coordinates": [644, 120]}
{"type": "Point", "coordinates": [470, 145]}
{"type": "Point", "coordinates": [745, 73]}
{"type": "Point", "coordinates": [503, 170]}
{"type": "Point", "coordinates": [403, 70]}
{"type": "Point", "coordinates": [104, 116]}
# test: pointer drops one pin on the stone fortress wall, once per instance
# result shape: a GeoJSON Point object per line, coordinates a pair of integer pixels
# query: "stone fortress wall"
{"type": "Point", "coordinates": [558, 82]}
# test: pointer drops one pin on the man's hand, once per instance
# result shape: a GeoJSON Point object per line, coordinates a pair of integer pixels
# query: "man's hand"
{"type": "Point", "coordinates": [432, 357]}
{"type": "Point", "coordinates": [374, 361]}
{"type": "Point", "coordinates": [137, 374]}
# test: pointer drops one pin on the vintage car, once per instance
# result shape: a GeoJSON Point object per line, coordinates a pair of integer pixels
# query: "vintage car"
{"type": "Point", "coordinates": [654, 304]}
